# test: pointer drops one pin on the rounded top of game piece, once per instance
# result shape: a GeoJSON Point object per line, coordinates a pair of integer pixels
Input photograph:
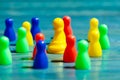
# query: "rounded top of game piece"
{"type": "Point", "coordinates": [70, 40]}
{"type": "Point", "coordinates": [82, 45]}
{"type": "Point", "coordinates": [4, 41]}
{"type": "Point", "coordinates": [41, 45]}
{"type": "Point", "coordinates": [103, 29]}
{"type": "Point", "coordinates": [35, 21]}
{"type": "Point", "coordinates": [9, 22]}
{"type": "Point", "coordinates": [22, 32]}
{"type": "Point", "coordinates": [58, 23]}
{"type": "Point", "coordinates": [39, 36]}
{"type": "Point", "coordinates": [66, 20]}
{"type": "Point", "coordinates": [26, 25]}
{"type": "Point", "coordinates": [94, 23]}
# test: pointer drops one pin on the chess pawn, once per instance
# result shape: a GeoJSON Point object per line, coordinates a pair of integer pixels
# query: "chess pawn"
{"type": "Point", "coordinates": [39, 36]}
{"type": "Point", "coordinates": [29, 37]}
{"type": "Point", "coordinates": [58, 43]}
{"type": "Point", "coordinates": [94, 46]}
{"type": "Point", "coordinates": [41, 60]}
{"type": "Point", "coordinates": [5, 54]}
{"type": "Point", "coordinates": [104, 40]}
{"type": "Point", "coordinates": [22, 44]}
{"type": "Point", "coordinates": [9, 31]}
{"type": "Point", "coordinates": [93, 27]}
{"type": "Point", "coordinates": [70, 51]}
{"type": "Point", "coordinates": [83, 59]}
{"type": "Point", "coordinates": [35, 26]}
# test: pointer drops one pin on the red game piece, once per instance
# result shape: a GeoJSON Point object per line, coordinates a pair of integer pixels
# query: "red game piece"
{"type": "Point", "coordinates": [70, 51]}
{"type": "Point", "coordinates": [38, 36]}
{"type": "Point", "coordinates": [67, 25]}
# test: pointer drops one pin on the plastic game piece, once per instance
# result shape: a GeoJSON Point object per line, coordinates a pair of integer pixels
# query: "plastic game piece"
{"type": "Point", "coordinates": [9, 31]}
{"type": "Point", "coordinates": [93, 27]}
{"type": "Point", "coordinates": [41, 60]}
{"type": "Point", "coordinates": [39, 36]}
{"type": "Point", "coordinates": [67, 25]}
{"type": "Point", "coordinates": [83, 59]}
{"type": "Point", "coordinates": [29, 37]}
{"type": "Point", "coordinates": [104, 40]}
{"type": "Point", "coordinates": [22, 44]}
{"type": "Point", "coordinates": [35, 26]}
{"type": "Point", "coordinates": [5, 54]}
{"type": "Point", "coordinates": [94, 46]}
{"type": "Point", "coordinates": [58, 43]}
{"type": "Point", "coordinates": [70, 51]}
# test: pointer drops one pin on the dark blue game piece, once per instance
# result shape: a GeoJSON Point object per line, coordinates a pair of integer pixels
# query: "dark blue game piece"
{"type": "Point", "coordinates": [9, 31]}
{"type": "Point", "coordinates": [35, 27]}
{"type": "Point", "coordinates": [41, 60]}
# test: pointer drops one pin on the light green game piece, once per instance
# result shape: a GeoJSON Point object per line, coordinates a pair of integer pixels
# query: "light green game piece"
{"type": "Point", "coordinates": [104, 40]}
{"type": "Point", "coordinates": [22, 44]}
{"type": "Point", "coordinates": [5, 54]}
{"type": "Point", "coordinates": [83, 59]}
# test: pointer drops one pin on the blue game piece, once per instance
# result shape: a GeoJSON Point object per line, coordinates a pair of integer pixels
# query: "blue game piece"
{"type": "Point", "coordinates": [9, 31]}
{"type": "Point", "coordinates": [41, 60]}
{"type": "Point", "coordinates": [35, 27]}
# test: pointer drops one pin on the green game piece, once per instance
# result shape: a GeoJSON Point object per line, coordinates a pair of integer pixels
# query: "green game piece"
{"type": "Point", "coordinates": [22, 44]}
{"type": "Point", "coordinates": [5, 54]}
{"type": "Point", "coordinates": [83, 59]}
{"type": "Point", "coordinates": [104, 41]}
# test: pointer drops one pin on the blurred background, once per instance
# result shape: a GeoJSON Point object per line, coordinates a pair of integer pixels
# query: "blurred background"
{"type": "Point", "coordinates": [80, 11]}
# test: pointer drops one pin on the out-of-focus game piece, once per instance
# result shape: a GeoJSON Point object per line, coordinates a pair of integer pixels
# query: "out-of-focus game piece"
{"type": "Point", "coordinates": [29, 37]}
{"type": "Point", "coordinates": [58, 43]}
{"type": "Point", "coordinates": [5, 54]}
{"type": "Point", "coordinates": [93, 27]}
{"type": "Point", "coordinates": [41, 60]}
{"type": "Point", "coordinates": [22, 44]}
{"type": "Point", "coordinates": [39, 36]}
{"type": "Point", "coordinates": [67, 25]}
{"type": "Point", "coordinates": [83, 59]}
{"type": "Point", "coordinates": [70, 51]}
{"type": "Point", "coordinates": [9, 31]}
{"type": "Point", "coordinates": [94, 46]}
{"type": "Point", "coordinates": [35, 26]}
{"type": "Point", "coordinates": [104, 40]}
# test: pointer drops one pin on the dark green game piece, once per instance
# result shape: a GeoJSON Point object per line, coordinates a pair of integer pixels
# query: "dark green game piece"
{"type": "Point", "coordinates": [5, 54]}
{"type": "Point", "coordinates": [22, 44]}
{"type": "Point", "coordinates": [104, 40]}
{"type": "Point", "coordinates": [83, 59]}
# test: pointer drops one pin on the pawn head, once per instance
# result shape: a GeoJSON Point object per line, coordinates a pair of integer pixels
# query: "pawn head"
{"type": "Point", "coordinates": [66, 20]}
{"type": "Point", "coordinates": [82, 45]}
{"type": "Point", "coordinates": [58, 23]}
{"type": "Point", "coordinates": [4, 42]}
{"type": "Point", "coordinates": [103, 29]}
{"type": "Point", "coordinates": [94, 22]}
{"type": "Point", "coordinates": [39, 36]}
{"type": "Point", "coordinates": [70, 40]}
{"type": "Point", "coordinates": [27, 25]}
{"type": "Point", "coordinates": [22, 32]}
{"type": "Point", "coordinates": [9, 22]}
{"type": "Point", "coordinates": [41, 45]}
{"type": "Point", "coordinates": [35, 21]}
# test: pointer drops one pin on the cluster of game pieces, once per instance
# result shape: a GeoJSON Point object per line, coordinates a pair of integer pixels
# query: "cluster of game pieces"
{"type": "Point", "coordinates": [63, 42]}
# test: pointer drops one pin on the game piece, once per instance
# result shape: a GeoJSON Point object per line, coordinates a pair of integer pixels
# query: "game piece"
{"type": "Point", "coordinates": [94, 49]}
{"type": "Point", "coordinates": [35, 26]}
{"type": "Point", "coordinates": [70, 51]}
{"type": "Point", "coordinates": [58, 43]}
{"type": "Point", "coordinates": [41, 60]}
{"type": "Point", "coordinates": [67, 25]}
{"type": "Point", "coordinates": [9, 31]}
{"type": "Point", "coordinates": [93, 27]}
{"type": "Point", "coordinates": [39, 36]}
{"type": "Point", "coordinates": [22, 44]}
{"type": "Point", "coordinates": [5, 54]}
{"type": "Point", "coordinates": [104, 40]}
{"type": "Point", "coordinates": [29, 37]}
{"type": "Point", "coordinates": [83, 59]}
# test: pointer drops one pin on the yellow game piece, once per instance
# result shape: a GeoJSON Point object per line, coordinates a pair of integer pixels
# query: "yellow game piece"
{"type": "Point", "coordinates": [93, 27]}
{"type": "Point", "coordinates": [29, 37]}
{"type": "Point", "coordinates": [58, 43]}
{"type": "Point", "coordinates": [94, 46]}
